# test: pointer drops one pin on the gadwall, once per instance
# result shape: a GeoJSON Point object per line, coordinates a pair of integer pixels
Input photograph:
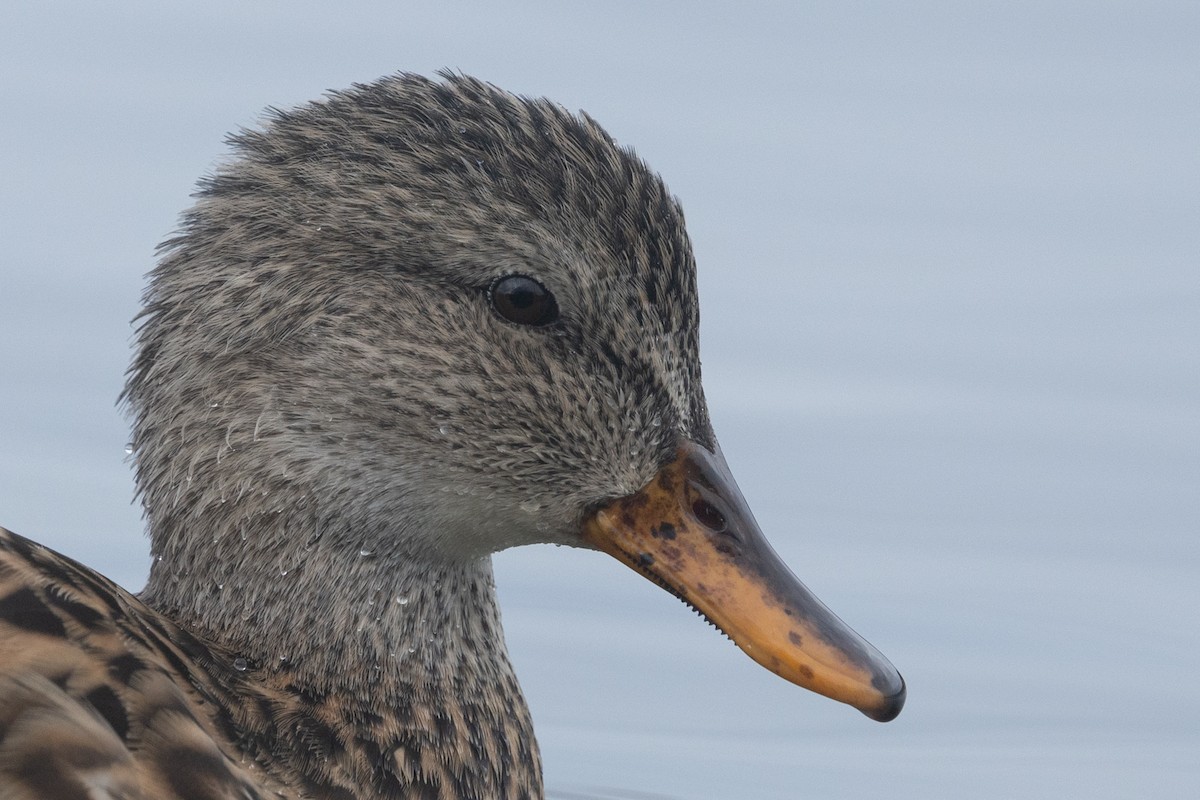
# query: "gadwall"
{"type": "Point", "coordinates": [403, 328]}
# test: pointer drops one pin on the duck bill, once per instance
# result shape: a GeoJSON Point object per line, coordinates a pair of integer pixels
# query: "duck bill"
{"type": "Point", "coordinates": [690, 531]}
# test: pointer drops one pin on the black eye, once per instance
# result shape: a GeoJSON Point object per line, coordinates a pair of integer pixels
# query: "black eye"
{"type": "Point", "coordinates": [521, 299]}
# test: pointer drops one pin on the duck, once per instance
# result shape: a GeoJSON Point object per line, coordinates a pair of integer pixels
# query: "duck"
{"type": "Point", "coordinates": [403, 327]}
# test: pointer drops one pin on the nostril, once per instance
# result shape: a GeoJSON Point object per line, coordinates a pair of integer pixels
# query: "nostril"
{"type": "Point", "coordinates": [709, 516]}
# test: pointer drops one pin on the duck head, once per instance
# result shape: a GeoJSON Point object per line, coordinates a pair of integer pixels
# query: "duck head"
{"type": "Point", "coordinates": [457, 321]}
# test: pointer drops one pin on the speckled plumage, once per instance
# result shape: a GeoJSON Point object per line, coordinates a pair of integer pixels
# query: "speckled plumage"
{"type": "Point", "coordinates": [332, 432]}
{"type": "Point", "coordinates": [335, 424]}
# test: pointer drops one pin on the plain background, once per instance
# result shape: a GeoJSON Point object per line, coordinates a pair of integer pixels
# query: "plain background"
{"type": "Point", "coordinates": [950, 279]}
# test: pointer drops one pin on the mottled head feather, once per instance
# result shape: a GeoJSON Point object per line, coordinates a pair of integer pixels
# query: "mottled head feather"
{"type": "Point", "coordinates": [320, 327]}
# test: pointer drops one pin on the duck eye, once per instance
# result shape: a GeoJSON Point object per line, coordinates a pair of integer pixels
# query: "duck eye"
{"type": "Point", "coordinates": [521, 299]}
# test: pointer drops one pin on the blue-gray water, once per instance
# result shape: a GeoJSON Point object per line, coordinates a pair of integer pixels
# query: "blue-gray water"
{"type": "Point", "coordinates": [950, 282]}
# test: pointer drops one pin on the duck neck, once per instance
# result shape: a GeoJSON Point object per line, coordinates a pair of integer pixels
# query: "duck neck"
{"type": "Point", "coordinates": [413, 643]}
{"type": "Point", "coordinates": [337, 612]}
